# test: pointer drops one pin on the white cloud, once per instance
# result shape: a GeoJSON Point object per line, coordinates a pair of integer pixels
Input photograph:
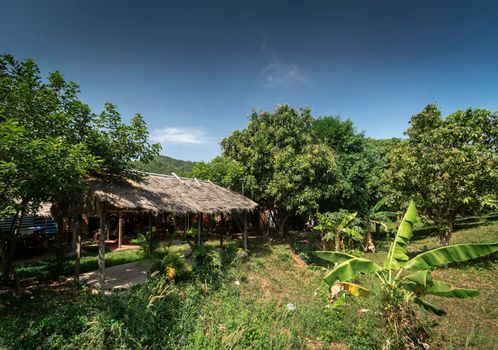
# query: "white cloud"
{"type": "Point", "coordinates": [175, 135]}
{"type": "Point", "coordinates": [278, 73]}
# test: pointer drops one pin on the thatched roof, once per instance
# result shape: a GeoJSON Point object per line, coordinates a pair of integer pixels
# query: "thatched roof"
{"type": "Point", "coordinates": [168, 194]}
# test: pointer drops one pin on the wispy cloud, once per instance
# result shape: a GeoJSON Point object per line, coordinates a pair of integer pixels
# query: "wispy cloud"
{"type": "Point", "coordinates": [280, 73]}
{"type": "Point", "coordinates": [176, 135]}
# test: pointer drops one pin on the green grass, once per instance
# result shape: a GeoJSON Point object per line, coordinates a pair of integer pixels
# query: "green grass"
{"type": "Point", "coordinates": [243, 305]}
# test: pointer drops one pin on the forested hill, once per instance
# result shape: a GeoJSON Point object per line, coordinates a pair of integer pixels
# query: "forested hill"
{"type": "Point", "coordinates": [166, 165]}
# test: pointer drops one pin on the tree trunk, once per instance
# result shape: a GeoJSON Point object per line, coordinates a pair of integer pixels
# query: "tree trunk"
{"type": "Point", "coordinates": [77, 224]}
{"type": "Point", "coordinates": [281, 225]}
{"type": "Point", "coordinates": [9, 275]}
{"type": "Point", "coordinates": [444, 238]}
{"type": "Point", "coordinates": [368, 244]}
{"type": "Point", "coordinates": [60, 247]}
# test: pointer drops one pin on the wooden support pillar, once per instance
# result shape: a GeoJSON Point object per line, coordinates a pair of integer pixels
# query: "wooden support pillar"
{"type": "Point", "coordinates": [107, 231]}
{"type": "Point", "coordinates": [245, 230]}
{"type": "Point", "coordinates": [120, 230]}
{"type": "Point", "coordinates": [150, 233]}
{"type": "Point", "coordinates": [222, 229]}
{"type": "Point", "coordinates": [103, 229]}
{"type": "Point", "coordinates": [77, 231]}
{"type": "Point", "coordinates": [199, 227]}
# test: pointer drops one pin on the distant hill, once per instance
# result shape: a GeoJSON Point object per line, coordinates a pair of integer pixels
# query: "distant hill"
{"type": "Point", "coordinates": [167, 165]}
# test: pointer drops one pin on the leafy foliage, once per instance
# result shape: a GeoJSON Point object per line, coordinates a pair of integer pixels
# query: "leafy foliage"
{"type": "Point", "coordinates": [51, 141]}
{"type": "Point", "coordinates": [288, 172]}
{"type": "Point", "coordinates": [399, 290]}
{"type": "Point", "coordinates": [223, 170]}
{"type": "Point", "coordinates": [341, 227]}
{"type": "Point", "coordinates": [355, 161]}
{"type": "Point", "coordinates": [449, 165]}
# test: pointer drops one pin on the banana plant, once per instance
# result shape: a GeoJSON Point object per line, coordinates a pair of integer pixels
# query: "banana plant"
{"type": "Point", "coordinates": [337, 226]}
{"type": "Point", "coordinates": [409, 277]}
{"type": "Point", "coordinates": [378, 218]}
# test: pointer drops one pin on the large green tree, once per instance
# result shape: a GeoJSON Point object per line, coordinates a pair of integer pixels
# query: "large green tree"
{"type": "Point", "coordinates": [51, 142]}
{"type": "Point", "coordinates": [449, 165]}
{"type": "Point", "coordinates": [354, 163]}
{"type": "Point", "coordinates": [32, 171]}
{"type": "Point", "coordinates": [288, 171]}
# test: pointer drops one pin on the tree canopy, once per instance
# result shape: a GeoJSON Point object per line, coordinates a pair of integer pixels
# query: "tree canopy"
{"type": "Point", "coordinates": [287, 170]}
{"type": "Point", "coordinates": [50, 142]}
{"type": "Point", "coordinates": [448, 165]}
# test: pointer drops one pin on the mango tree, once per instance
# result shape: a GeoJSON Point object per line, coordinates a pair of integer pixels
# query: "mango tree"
{"type": "Point", "coordinates": [448, 165]}
{"type": "Point", "coordinates": [405, 281]}
{"type": "Point", "coordinates": [287, 171]}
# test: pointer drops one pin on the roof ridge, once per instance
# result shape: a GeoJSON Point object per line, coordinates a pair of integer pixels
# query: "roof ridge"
{"type": "Point", "coordinates": [174, 177]}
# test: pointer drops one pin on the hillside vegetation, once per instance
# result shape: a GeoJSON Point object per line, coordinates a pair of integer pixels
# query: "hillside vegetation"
{"type": "Point", "coordinates": [166, 165]}
{"type": "Point", "coordinates": [270, 299]}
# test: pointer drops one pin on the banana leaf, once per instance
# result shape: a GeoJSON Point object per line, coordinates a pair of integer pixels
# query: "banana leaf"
{"type": "Point", "coordinates": [397, 252]}
{"type": "Point", "coordinates": [378, 205]}
{"type": "Point", "coordinates": [334, 257]}
{"type": "Point", "coordinates": [451, 254]}
{"type": "Point", "coordinates": [445, 289]}
{"type": "Point", "coordinates": [353, 234]}
{"type": "Point", "coordinates": [422, 278]}
{"type": "Point", "coordinates": [430, 307]}
{"type": "Point", "coordinates": [421, 283]}
{"type": "Point", "coordinates": [346, 221]}
{"type": "Point", "coordinates": [354, 289]}
{"type": "Point", "coordinates": [349, 269]}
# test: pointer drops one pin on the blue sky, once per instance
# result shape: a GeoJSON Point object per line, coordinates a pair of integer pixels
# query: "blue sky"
{"type": "Point", "coordinates": [196, 69]}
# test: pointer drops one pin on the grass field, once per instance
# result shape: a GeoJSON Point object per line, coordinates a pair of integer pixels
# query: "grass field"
{"type": "Point", "coordinates": [268, 300]}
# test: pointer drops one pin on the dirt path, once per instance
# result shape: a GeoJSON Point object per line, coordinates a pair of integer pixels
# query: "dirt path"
{"type": "Point", "coordinates": [121, 276]}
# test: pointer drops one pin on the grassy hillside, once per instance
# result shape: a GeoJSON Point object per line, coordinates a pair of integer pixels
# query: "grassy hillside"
{"type": "Point", "coordinates": [270, 299]}
{"type": "Point", "coordinates": [166, 165]}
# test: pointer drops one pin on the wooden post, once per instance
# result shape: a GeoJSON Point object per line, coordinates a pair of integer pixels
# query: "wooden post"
{"type": "Point", "coordinates": [77, 227]}
{"type": "Point", "coordinates": [150, 233]}
{"type": "Point", "coordinates": [222, 229]}
{"type": "Point", "coordinates": [245, 230]}
{"type": "Point", "coordinates": [103, 229]}
{"type": "Point", "coordinates": [199, 227]}
{"type": "Point", "coordinates": [107, 231]}
{"type": "Point", "coordinates": [120, 230]}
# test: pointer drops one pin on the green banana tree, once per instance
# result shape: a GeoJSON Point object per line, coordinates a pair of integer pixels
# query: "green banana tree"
{"type": "Point", "coordinates": [412, 276]}
{"type": "Point", "coordinates": [404, 280]}
{"type": "Point", "coordinates": [374, 216]}
{"type": "Point", "coordinates": [337, 226]}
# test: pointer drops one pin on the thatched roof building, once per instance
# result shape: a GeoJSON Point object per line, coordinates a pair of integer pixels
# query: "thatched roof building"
{"type": "Point", "coordinates": [168, 194]}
